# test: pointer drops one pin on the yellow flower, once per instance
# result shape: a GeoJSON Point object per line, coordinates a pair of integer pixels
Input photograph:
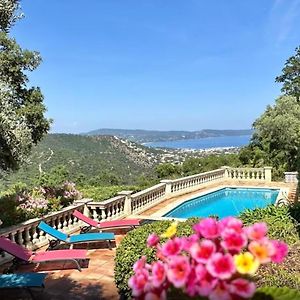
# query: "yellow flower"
{"type": "Point", "coordinates": [171, 231]}
{"type": "Point", "coordinates": [246, 263]}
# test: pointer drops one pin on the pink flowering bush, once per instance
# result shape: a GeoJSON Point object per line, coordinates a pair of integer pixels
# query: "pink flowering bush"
{"type": "Point", "coordinates": [216, 261]}
{"type": "Point", "coordinates": [18, 203]}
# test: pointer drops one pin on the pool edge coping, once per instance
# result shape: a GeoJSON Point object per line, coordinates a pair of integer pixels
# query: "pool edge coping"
{"type": "Point", "coordinates": [159, 215]}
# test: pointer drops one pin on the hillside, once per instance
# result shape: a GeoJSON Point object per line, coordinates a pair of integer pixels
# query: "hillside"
{"type": "Point", "coordinates": [89, 157]}
{"type": "Point", "coordinates": [144, 136]}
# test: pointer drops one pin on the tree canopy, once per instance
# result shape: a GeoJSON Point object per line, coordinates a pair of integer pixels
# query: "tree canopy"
{"type": "Point", "coordinates": [291, 76]}
{"type": "Point", "coordinates": [277, 136]}
{"type": "Point", "coordinates": [22, 120]}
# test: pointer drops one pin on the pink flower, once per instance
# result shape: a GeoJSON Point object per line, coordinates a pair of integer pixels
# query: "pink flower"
{"type": "Point", "coordinates": [188, 241]}
{"type": "Point", "coordinates": [281, 251]}
{"type": "Point", "coordinates": [158, 273]}
{"type": "Point", "coordinates": [191, 284]}
{"type": "Point", "coordinates": [152, 240]}
{"type": "Point", "coordinates": [206, 285]}
{"type": "Point", "coordinates": [200, 272]}
{"type": "Point", "coordinates": [221, 266]}
{"type": "Point", "coordinates": [257, 231]}
{"type": "Point", "coordinates": [171, 247]}
{"type": "Point", "coordinates": [139, 264]}
{"type": "Point", "coordinates": [157, 295]}
{"type": "Point", "coordinates": [262, 250]}
{"type": "Point", "coordinates": [138, 282]}
{"type": "Point", "coordinates": [207, 228]}
{"type": "Point", "coordinates": [178, 270]}
{"type": "Point", "coordinates": [202, 251]}
{"type": "Point", "coordinates": [220, 293]}
{"type": "Point", "coordinates": [242, 288]}
{"type": "Point", "coordinates": [230, 223]}
{"type": "Point", "coordinates": [233, 240]}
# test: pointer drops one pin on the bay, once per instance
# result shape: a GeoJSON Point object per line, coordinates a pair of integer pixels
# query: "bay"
{"type": "Point", "coordinates": [204, 143]}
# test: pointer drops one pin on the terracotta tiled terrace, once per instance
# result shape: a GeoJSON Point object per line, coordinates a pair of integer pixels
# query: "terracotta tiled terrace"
{"type": "Point", "coordinates": [95, 282]}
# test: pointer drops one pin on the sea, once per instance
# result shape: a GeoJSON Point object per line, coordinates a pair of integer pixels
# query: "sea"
{"type": "Point", "coordinates": [204, 143]}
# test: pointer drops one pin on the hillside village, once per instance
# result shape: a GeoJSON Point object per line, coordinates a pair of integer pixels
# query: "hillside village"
{"type": "Point", "coordinates": [155, 156]}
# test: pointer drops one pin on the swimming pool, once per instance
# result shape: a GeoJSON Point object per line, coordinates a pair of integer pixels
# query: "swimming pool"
{"type": "Point", "coordinates": [225, 202]}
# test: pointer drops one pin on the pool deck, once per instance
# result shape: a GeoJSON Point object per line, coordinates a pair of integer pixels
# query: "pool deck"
{"type": "Point", "coordinates": [160, 209]}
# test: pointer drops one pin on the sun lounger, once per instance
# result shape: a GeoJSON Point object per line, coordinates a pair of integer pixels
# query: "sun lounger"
{"type": "Point", "coordinates": [24, 255]}
{"type": "Point", "coordinates": [75, 239]}
{"type": "Point", "coordinates": [131, 223]}
{"type": "Point", "coordinates": [22, 281]}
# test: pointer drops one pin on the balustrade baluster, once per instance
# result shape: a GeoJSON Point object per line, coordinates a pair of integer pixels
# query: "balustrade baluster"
{"type": "Point", "coordinates": [27, 237]}
{"type": "Point", "coordinates": [69, 220]}
{"type": "Point", "coordinates": [64, 222]}
{"type": "Point", "coordinates": [41, 235]}
{"type": "Point", "coordinates": [12, 237]}
{"type": "Point", "coordinates": [34, 235]}
{"type": "Point", "coordinates": [20, 240]}
{"type": "Point", "coordinates": [95, 215]}
{"type": "Point", "coordinates": [60, 222]}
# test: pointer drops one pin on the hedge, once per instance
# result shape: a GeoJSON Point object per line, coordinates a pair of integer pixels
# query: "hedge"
{"type": "Point", "coordinates": [133, 246]}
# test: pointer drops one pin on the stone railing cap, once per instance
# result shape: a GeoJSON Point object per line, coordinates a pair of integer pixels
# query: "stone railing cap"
{"type": "Point", "coordinates": [125, 193]}
{"type": "Point", "coordinates": [291, 173]}
{"type": "Point", "coordinates": [85, 200]}
{"type": "Point", "coordinates": [148, 190]}
{"type": "Point", "coordinates": [166, 181]}
{"type": "Point", "coordinates": [213, 172]}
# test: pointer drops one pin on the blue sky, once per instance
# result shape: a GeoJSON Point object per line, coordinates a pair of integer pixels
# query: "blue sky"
{"type": "Point", "coordinates": [164, 64]}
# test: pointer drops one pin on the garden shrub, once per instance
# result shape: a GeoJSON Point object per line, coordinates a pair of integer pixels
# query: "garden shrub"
{"type": "Point", "coordinates": [18, 203]}
{"type": "Point", "coordinates": [9, 212]}
{"type": "Point", "coordinates": [133, 246]}
{"type": "Point", "coordinates": [281, 224]}
{"type": "Point", "coordinates": [295, 211]}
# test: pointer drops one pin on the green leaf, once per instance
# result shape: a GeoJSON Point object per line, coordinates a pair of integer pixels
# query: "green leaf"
{"type": "Point", "coordinates": [275, 293]}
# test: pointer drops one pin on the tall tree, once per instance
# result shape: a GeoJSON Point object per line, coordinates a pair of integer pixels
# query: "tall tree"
{"type": "Point", "coordinates": [22, 120]}
{"type": "Point", "coordinates": [291, 76]}
{"type": "Point", "coordinates": [9, 13]}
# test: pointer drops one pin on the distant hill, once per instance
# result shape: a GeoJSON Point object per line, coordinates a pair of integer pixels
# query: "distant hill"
{"type": "Point", "coordinates": [88, 156]}
{"type": "Point", "coordinates": [144, 136]}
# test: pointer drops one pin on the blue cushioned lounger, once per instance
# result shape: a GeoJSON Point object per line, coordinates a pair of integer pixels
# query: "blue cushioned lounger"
{"type": "Point", "coordinates": [73, 239]}
{"type": "Point", "coordinates": [22, 280]}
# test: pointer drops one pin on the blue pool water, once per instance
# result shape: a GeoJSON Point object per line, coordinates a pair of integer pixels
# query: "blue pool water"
{"type": "Point", "coordinates": [225, 202]}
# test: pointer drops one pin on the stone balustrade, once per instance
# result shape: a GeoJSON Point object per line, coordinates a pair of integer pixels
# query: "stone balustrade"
{"type": "Point", "coordinates": [191, 183]}
{"type": "Point", "coordinates": [147, 198]}
{"type": "Point", "coordinates": [291, 177]}
{"type": "Point", "coordinates": [126, 203]}
{"type": "Point", "coordinates": [260, 174]}
{"type": "Point", "coordinates": [113, 208]}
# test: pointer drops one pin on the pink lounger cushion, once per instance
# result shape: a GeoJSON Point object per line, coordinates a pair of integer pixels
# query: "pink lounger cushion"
{"type": "Point", "coordinates": [58, 255]}
{"type": "Point", "coordinates": [119, 223]}
{"type": "Point", "coordinates": [85, 219]}
{"type": "Point", "coordinates": [14, 249]}
{"type": "Point", "coordinates": [106, 224]}
{"type": "Point", "coordinates": [26, 255]}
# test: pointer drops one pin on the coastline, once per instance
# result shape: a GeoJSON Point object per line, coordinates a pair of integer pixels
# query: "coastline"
{"type": "Point", "coordinates": [204, 144]}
